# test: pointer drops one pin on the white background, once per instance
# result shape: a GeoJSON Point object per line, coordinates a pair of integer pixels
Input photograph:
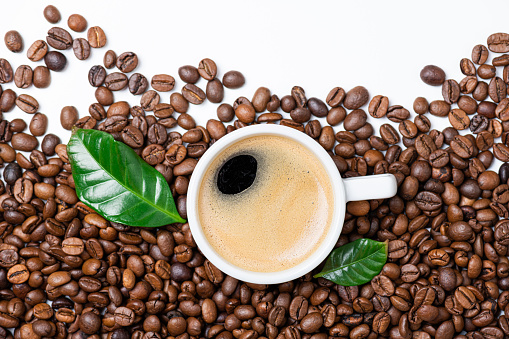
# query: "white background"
{"type": "Point", "coordinates": [318, 45]}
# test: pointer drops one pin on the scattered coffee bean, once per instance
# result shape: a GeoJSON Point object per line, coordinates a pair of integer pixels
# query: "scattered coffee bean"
{"type": "Point", "coordinates": [233, 79]}
{"type": "Point", "coordinates": [138, 84]}
{"type": "Point", "coordinates": [81, 48]}
{"type": "Point", "coordinates": [189, 74]}
{"type": "Point", "coordinates": [37, 50]}
{"type": "Point", "coordinates": [23, 76]}
{"type": "Point", "coordinates": [55, 61]}
{"type": "Point", "coordinates": [77, 23]}
{"type": "Point", "coordinates": [52, 14]}
{"type": "Point", "coordinates": [13, 41]}
{"type": "Point", "coordinates": [41, 77]}
{"type": "Point", "coordinates": [356, 97]}
{"type": "Point", "coordinates": [207, 69]}
{"type": "Point", "coordinates": [498, 42]}
{"type": "Point", "coordinates": [193, 94]}
{"type": "Point", "coordinates": [59, 38]}
{"type": "Point", "coordinates": [68, 117]}
{"type": "Point", "coordinates": [96, 37]}
{"type": "Point", "coordinates": [6, 73]}
{"type": "Point", "coordinates": [433, 75]}
{"type": "Point", "coordinates": [110, 59]}
{"type": "Point", "coordinates": [116, 81]}
{"type": "Point", "coordinates": [127, 62]}
{"type": "Point", "coordinates": [162, 82]}
{"type": "Point", "coordinates": [38, 124]}
{"type": "Point", "coordinates": [214, 91]}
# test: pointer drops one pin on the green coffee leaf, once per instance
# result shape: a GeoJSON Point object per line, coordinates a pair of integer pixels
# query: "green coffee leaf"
{"type": "Point", "coordinates": [114, 181]}
{"type": "Point", "coordinates": [355, 263]}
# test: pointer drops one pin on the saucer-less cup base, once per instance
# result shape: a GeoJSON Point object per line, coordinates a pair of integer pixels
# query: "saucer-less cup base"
{"type": "Point", "coordinates": [352, 189]}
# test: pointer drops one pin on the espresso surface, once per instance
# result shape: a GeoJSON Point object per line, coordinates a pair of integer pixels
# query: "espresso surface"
{"type": "Point", "coordinates": [281, 219]}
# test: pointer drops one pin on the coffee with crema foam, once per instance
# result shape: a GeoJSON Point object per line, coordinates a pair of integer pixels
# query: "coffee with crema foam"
{"type": "Point", "coordinates": [281, 219]}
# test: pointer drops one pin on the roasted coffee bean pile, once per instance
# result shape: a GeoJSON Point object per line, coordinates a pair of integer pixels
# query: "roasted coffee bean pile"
{"type": "Point", "coordinates": [447, 275]}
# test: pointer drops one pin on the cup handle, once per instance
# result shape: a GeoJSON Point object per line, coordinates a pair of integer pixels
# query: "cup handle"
{"type": "Point", "coordinates": [379, 186]}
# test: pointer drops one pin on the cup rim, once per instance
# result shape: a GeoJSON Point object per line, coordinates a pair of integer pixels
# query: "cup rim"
{"type": "Point", "coordinates": [320, 253]}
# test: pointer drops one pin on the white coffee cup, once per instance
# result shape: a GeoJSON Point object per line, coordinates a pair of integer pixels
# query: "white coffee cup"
{"type": "Point", "coordinates": [352, 189]}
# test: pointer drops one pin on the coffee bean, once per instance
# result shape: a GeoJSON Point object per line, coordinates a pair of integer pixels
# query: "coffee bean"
{"type": "Point", "coordinates": [312, 322]}
{"type": "Point", "coordinates": [55, 61]}
{"type": "Point", "coordinates": [68, 117]}
{"type": "Point", "coordinates": [77, 23]}
{"type": "Point", "coordinates": [501, 152]}
{"type": "Point", "coordinates": [23, 76]}
{"type": "Point", "coordinates": [162, 82]}
{"type": "Point", "coordinates": [96, 37]}
{"type": "Point", "coordinates": [86, 123]}
{"type": "Point", "coordinates": [438, 225]}
{"type": "Point", "coordinates": [96, 75]}
{"type": "Point", "coordinates": [336, 115]}
{"type": "Point", "coordinates": [388, 134]}
{"type": "Point", "coordinates": [225, 113]}
{"type": "Point", "coordinates": [18, 274]}
{"type": "Point", "coordinates": [132, 137]}
{"type": "Point", "coordinates": [450, 91]}
{"type": "Point", "coordinates": [408, 129]}
{"type": "Point", "coordinates": [207, 69]}
{"type": "Point", "coordinates": [41, 77]}
{"type": "Point", "coordinates": [462, 146]}
{"type": "Point", "coordinates": [487, 109]}
{"type": "Point", "coordinates": [439, 108]}
{"type": "Point", "coordinates": [467, 66]}
{"type": "Point", "coordinates": [116, 81]}
{"type": "Point", "coordinates": [326, 138]}
{"type": "Point", "coordinates": [48, 144]}
{"type": "Point", "coordinates": [179, 103]}
{"type": "Point", "coordinates": [378, 106]}
{"type": "Point", "coordinates": [186, 121]}
{"type": "Point", "coordinates": [153, 154]}
{"type": "Point", "coordinates": [498, 42]}
{"type": "Point", "coordinates": [233, 79]}
{"type": "Point", "coordinates": [13, 41]}
{"type": "Point", "coordinates": [497, 89]}
{"type": "Point", "coordinates": [479, 124]}
{"type": "Point", "coordinates": [355, 120]}
{"type": "Point", "coordinates": [356, 97]}
{"type": "Point", "coordinates": [193, 94]}
{"type": "Point", "coordinates": [6, 74]}
{"type": "Point", "coordinates": [215, 91]}
{"type": "Point", "coordinates": [480, 54]}
{"type": "Point", "coordinates": [37, 50]}
{"type": "Point", "coordinates": [245, 113]}
{"type": "Point", "coordinates": [59, 38]}
{"type": "Point", "coordinates": [468, 84]}
{"type": "Point", "coordinates": [459, 119]}
{"type": "Point", "coordinates": [138, 84]}
{"type": "Point", "coordinates": [432, 75]}
{"type": "Point", "coordinates": [300, 114]}
{"type": "Point", "coordinates": [288, 103]}
{"type": "Point", "coordinates": [90, 322]}
{"type": "Point", "coordinates": [317, 107]}
{"type": "Point", "coordinates": [127, 62]}
{"type": "Point", "coordinates": [27, 103]}
{"type": "Point", "coordinates": [81, 48]}
{"type": "Point", "coordinates": [52, 14]}
{"type": "Point", "coordinates": [38, 124]}
{"type": "Point", "coordinates": [382, 286]}
{"type": "Point", "coordinates": [216, 129]}
{"type": "Point", "coordinates": [486, 71]}
{"type": "Point", "coordinates": [397, 113]}
{"type": "Point", "coordinates": [335, 97]}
